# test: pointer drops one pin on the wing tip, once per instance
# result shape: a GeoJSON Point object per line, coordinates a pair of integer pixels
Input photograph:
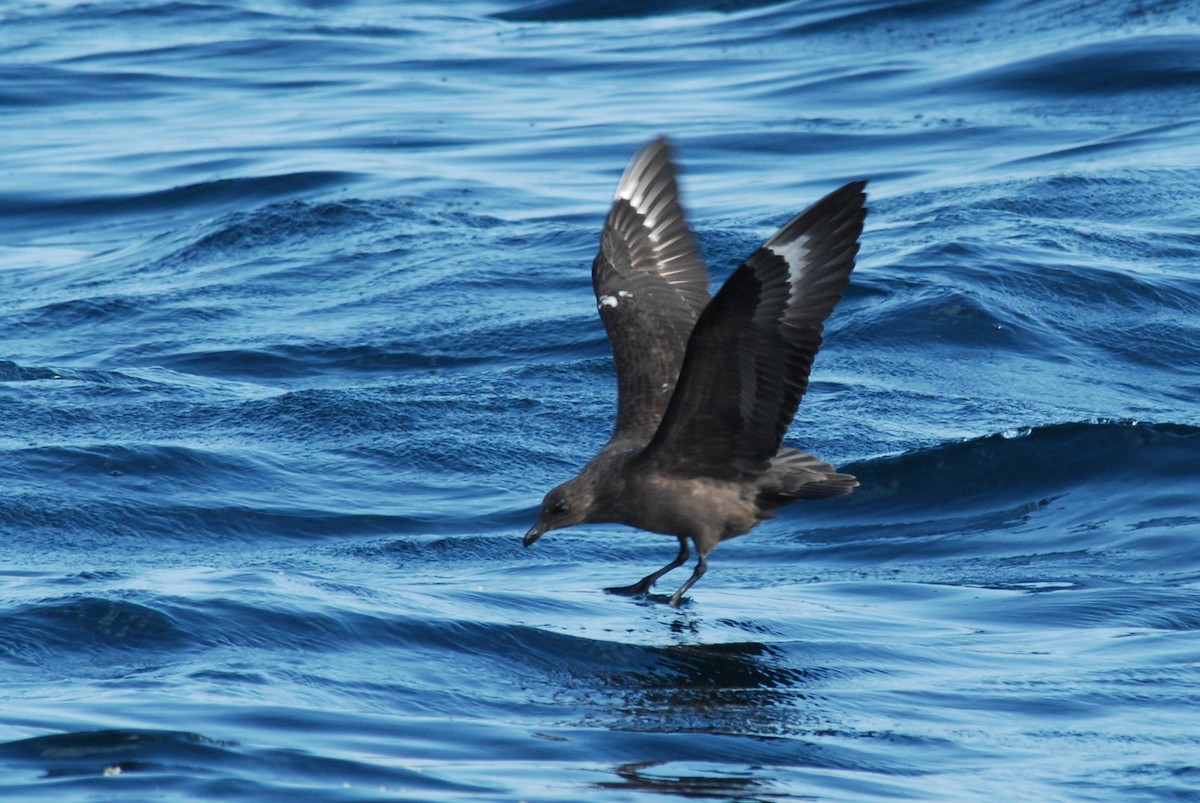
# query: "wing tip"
{"type": "Point", "coordinates": [653, 157]}
{"type": "Point", "coordinates": [845, 205]}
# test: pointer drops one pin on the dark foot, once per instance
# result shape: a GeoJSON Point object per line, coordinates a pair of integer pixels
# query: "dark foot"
{"type": "Point", "coordinates": [636, 590]}
{"type": "Point", "coordinates": [701, 567]}
{"type": "Point", "coordinates": [646, 583]}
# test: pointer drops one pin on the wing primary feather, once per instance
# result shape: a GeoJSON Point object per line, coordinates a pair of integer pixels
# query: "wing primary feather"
{"type": "Point", "coordinates": [650, 286]}
{"type": "Point", "coordinates": [748, 359]}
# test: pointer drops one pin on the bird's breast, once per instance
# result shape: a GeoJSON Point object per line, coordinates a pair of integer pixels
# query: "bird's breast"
{"type": "Point", "coordinates": [703, 509]}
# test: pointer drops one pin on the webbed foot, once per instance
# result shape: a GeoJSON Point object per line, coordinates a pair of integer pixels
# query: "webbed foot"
{"type": "Point", "coordinates": [636, 590]}
{"type": "Point", "coordinates": [646, 583]}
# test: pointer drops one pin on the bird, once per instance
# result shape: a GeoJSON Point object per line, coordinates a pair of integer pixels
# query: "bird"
{"type": "Point", "coordinates": [706, 387]}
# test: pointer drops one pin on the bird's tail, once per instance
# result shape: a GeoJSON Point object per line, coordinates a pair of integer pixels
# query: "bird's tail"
{"type": "Point", "coordinates": [796, 475]}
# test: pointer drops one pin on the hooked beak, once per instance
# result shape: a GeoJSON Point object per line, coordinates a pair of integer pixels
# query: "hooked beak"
{"type": "Point", "coordinates": [535, 532]}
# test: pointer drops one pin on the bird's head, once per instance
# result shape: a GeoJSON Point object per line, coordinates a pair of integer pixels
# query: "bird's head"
{"type": "Point", "coordinates": [568, 504]}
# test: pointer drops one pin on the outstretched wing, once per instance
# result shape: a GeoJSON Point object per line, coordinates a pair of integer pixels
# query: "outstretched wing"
{"type": "Point", "coordinates": [650, 288]}
{"type": "Point", "coordinates": [749, 357]}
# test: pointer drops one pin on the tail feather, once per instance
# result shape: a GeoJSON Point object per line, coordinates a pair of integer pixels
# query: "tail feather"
{"type": "Point", "coordinates": [796, 475]}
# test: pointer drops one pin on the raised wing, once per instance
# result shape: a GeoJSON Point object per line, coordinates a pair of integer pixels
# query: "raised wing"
{"type": "Point", "coordinates": [650, 288]}
{"type": "Point", "coordinates": [751, 351]}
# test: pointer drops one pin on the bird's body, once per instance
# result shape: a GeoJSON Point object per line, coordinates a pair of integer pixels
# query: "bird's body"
{"type": "Point", "coordinates": [706, 388]}
{"type": "Point", "coordinates": [704, 507]}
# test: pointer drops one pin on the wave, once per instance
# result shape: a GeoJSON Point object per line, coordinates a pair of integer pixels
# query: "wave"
{"type": "Point", "coordinates": [104, 635]}
{"type": "Point", "coordinates": [1029, 463]}
{"type": "Point", "coordinates": [581, 10]}
{"type": "Point", "coordinates": [1062, 501]}
{"type": "Point", "coordinates": [200, 767]}
{"type": "Point", "coordinates": [206, 196]}
{"type": "Point", "coordinates": [1132, 64]}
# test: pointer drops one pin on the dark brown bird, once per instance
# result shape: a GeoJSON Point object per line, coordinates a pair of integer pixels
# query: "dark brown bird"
{"type": "Point", "coordinates": [706, 389]}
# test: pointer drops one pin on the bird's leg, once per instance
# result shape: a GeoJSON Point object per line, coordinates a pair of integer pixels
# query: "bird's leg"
{"type": "Point", "coordinates": [701, 566]}
{"type": "Point", "coordinates": [643, 585]}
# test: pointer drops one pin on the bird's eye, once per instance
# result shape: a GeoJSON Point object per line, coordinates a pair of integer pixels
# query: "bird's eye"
{"type": "Point", "coordinates": [559, 507]}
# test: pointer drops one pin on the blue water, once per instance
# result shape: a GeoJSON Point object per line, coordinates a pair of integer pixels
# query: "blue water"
{"type": "Point", "coordinates": [297, 327]}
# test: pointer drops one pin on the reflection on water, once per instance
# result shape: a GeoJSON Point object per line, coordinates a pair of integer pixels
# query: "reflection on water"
{"type": "Point", "coordinates": [719, 688]}
{"type": "Point", "coordinates": [652, 776]}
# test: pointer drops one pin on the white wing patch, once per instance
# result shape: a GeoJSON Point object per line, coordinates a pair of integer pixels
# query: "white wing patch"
{"type": "Point", "coordinates": [795, 254]}
{"type": "Point", "coordinates": [612, 301]}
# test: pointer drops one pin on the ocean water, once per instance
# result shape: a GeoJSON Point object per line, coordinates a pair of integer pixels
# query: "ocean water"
{"type": "Point", "coordinates": [297, 327]}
